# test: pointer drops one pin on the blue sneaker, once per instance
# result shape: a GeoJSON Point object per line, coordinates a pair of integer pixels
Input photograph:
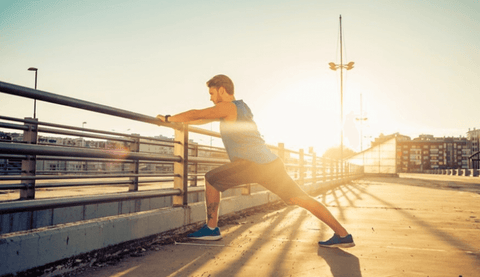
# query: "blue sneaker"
{"type": "Point", "coordinates": [337, 241]}
{"type": "Point", "coordinates": [206, 234]}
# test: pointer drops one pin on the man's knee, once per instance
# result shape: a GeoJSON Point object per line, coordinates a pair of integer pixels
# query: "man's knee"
{"type": "Point", "coordinates": [208, 177]}
{"type": "Point", "coordinates": [209, 187]}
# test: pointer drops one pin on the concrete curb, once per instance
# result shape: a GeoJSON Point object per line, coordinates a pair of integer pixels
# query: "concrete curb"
{"type": "Point", "coordinates": [25, 250]}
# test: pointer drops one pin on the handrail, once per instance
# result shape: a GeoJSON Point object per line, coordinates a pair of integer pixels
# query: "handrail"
{"type": "Point", "coordinates": [23, 127]}
{"type": "Point", "coordinates": [75, 103]}
{"type": "Point", "coordinates": [32, 149]}
{"type": "Point", "coordinates": [59, 177]}
{"type": "Point", "coordinates": [24, 206]}
{"type": "Point", "coordinates": [90, 106]}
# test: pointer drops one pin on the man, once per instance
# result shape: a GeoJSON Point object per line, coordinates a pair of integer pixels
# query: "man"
{"type": "Point", "coordinates": [251, 162]}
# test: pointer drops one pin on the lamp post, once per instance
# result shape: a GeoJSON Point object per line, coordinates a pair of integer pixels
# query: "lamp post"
{"type": "Point", "coordinates": [361, 119]}
{"type": "Point", "coordinates": [341, 66]}
{"type": "Point", "coordinates": [34, 100]}
{"type": "Point", "coordinates": [83, 145]}
{"type": "Point", "coordinates": [83, 126]}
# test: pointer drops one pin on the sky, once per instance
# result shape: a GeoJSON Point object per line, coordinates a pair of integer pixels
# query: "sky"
{"type": "Point", "coordinates": [417, 64]}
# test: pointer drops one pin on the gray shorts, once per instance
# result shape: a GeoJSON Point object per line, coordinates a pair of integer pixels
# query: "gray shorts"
{"type": "Point", "coordinates": [271, 176]}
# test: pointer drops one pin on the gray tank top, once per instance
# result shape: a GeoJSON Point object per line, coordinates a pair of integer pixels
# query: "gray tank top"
{"type": "Point", "coordinates": [242, 139]}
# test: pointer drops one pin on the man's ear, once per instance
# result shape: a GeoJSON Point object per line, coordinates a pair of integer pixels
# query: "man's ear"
{"type": "Point", "coordinates": [221, 90]}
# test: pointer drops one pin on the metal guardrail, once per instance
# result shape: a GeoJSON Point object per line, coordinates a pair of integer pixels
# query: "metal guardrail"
{"type": "Point", "coordinates": [185, 158]}
{"type": "Point", "coordinates": [455, 172]}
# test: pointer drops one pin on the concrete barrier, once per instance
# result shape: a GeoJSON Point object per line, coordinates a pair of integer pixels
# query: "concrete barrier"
{"type": "Point", "coordinates": [26, 220]}
{"type": "Point", "coordinates": [474, 173]}
{"type": "Point", "coordinates": [20, 251]}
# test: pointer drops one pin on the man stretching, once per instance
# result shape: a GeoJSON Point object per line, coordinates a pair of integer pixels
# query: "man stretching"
{"type": "Point", "coordinates": [251, 162]}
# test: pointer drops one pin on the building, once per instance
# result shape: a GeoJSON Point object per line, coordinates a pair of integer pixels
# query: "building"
{"type": "Point", "coordinates": [474, 137]}
{"type": "Point", "coordinates": [383, 138]}
{"type": "Point", "coordinates": [429, 152]}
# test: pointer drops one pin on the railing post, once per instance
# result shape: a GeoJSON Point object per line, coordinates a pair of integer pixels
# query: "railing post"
{"type": "Point", "coordinates": [314, 166]}
{"type": "Point", "coordinates": [195, 167]}
{"type": "Point", "coordinates": [337, 165]}
{"type": "Point", "coordinates": [324, 169]}
{"type": "Point", "coordinates": [135, 147]}
{"type": "Point", "coordinates": [247, 189]}
{"type": "Point", "coordinates": [331, 169]}
{"type": "Point", "coordinates": [180, 169]}
{"type": "Point", "coordinates": [29, 166]}
{"type": "Point", "coordinates": [347, 169]}
{"type": "Point", "coordinates": [342, 169]}
{"type": "Point", "coordinates": [281, 151]}
{"type": "Point", "coordinates": [333, 166]}
{"type": "Point", "coordinates": [4, 167]}
{"type": "Point", "coordinates": [301, 163]}
{"type": "Point", "coordinates": [281, 154]}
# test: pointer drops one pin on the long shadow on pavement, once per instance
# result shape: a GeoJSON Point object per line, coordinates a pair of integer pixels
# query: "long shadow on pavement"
{"type": "Point", "coordinates": [249, 247]}
{"type": "Point", "coordinates": [261, 240]}
{"type": "Point", "coordinates": [341, 263]}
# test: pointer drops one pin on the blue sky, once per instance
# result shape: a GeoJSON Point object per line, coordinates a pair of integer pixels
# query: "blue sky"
{"type": "Point", "coordinates": [416, 63]}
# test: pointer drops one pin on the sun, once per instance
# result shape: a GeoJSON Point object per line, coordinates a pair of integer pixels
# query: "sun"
{"type": "Point", "coordinates": [302, 114]}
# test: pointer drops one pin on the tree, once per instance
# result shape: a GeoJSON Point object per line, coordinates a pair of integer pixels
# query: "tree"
{"type": "Point", "coordinates": [334, 153]}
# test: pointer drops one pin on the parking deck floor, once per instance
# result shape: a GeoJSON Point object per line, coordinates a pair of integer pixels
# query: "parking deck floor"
{"type": "Point", "coordinates": [401, 227]}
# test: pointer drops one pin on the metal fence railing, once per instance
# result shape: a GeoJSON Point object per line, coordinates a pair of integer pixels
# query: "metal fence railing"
{"type": "Point", "coordinates": [31, 161]}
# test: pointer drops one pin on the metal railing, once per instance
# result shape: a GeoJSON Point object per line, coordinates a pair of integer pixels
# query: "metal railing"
{"type": "Point", "coordinates": [120, 156]}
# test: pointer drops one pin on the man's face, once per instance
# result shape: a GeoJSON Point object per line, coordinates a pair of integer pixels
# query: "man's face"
{"type": "Point", "coordinates": [214, 95]}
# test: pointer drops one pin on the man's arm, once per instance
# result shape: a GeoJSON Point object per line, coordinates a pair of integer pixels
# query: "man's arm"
{"type": "Point", "coordinates": [226, 110]}
{"type": "Point", "coordinates": [199, 122]}
{"type": "Point", "coordinates": [194, 122]}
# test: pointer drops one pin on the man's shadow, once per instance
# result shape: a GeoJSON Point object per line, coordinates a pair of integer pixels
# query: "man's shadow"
{"type": "Point", "coordinates": [341, 263]}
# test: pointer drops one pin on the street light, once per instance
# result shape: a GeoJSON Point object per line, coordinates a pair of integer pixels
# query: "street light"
{"type": "Point", "coordinates": [83, 126]}
{"type": "Point", "coordinates": [84, 144]}
{"type": "Point", "coordinates": [361, 119]}
{"type": "Point", "coordinates": [341, 66]}
{"type": "Point", "coordinates": [34, 100]}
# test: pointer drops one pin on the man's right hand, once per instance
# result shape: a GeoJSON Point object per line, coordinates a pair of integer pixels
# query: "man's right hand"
{"type": "Point", "coordinates": [161, 117]}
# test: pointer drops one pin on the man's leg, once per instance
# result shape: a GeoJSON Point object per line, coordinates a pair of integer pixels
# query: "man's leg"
{"type": "Point", "coordinates": [212, 198]}
{"type": "Point", "coordinates": [223, 177]}
{"type": "Point", "coordinates": [321, 212]}
{"type": "Point", "coordinates": [279, 182]}
{"type": "Point", "coordinates": [209, 231]}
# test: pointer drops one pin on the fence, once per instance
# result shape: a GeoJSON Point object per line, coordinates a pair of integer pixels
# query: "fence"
{"type": "Point", "coordinates": [118, 159]}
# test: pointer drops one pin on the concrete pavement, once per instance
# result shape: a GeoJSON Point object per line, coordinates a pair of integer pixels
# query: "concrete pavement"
{"type": "Point", "coordinates": [402, 227]}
